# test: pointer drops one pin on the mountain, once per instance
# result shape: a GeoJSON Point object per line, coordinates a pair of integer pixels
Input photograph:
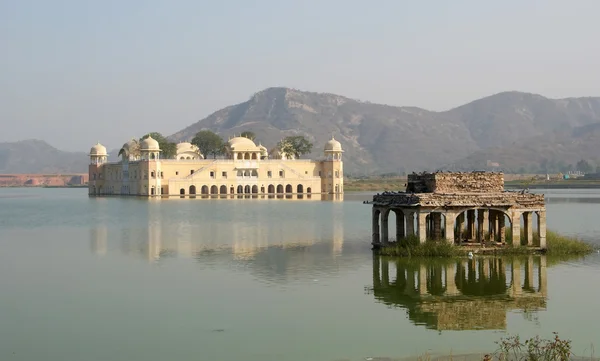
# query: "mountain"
{"type": "Point", "coordinates": [380, 138]}
{"type": "Point", "coordinates": [36, 156]}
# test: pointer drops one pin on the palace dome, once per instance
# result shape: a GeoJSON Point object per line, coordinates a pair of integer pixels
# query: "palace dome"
{"type": "Point", "coordinates": [130, 144]}
{"type": "Point", "coordinates": [149, 144]}
{"type": "Point", "coordinates": [98, 149]}
{"type": "Point", "coordinates": [186, 147]}
{"type": "Point", "coordinates": [241, 143]}
{"type": "Point", "coordinates": [333, 145]}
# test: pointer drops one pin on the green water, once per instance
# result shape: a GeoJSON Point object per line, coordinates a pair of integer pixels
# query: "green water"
{"type": "Point", "coordinates": [132, 279]}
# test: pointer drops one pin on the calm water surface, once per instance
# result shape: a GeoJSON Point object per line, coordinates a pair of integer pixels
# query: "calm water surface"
{"type": "Point", "coordinates": [133, 279]}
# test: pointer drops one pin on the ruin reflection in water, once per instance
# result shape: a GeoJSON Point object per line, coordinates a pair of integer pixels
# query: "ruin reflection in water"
{"type": "Point", "coordinates": [467, 294]}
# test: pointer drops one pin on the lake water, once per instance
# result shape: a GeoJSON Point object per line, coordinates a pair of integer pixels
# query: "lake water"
{"type": "Point", "coordinates": [134, 279]}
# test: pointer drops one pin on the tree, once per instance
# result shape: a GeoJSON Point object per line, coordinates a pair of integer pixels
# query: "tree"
{"type": "Point", "coordinates": [248, 134]}
{"type": "Point", "coordinates": [294, 146]}
{"type": "Point", "coordinates": [209, 142]}
{"type": "Point", "coordinates": [584, 166]}
{"type": "Point", "coordinates": [169, 149]}
{"type": "Point", "coordinates": [133, 149]}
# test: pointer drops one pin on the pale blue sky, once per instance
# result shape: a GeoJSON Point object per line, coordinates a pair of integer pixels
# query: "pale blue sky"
{"type": "Point", "coordinates": [73, 72]}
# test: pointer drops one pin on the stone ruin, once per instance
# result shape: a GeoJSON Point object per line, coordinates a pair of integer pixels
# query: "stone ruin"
{"type": "Point", "coordinates": [462, 208]}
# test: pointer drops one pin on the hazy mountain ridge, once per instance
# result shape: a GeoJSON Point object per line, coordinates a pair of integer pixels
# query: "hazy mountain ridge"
{"type": "Point", "coordinates": [513, 128]}
{"type": "Point", "coordinates": [381, 138]}
{"type": "Point", "coordinates": [37, 156]}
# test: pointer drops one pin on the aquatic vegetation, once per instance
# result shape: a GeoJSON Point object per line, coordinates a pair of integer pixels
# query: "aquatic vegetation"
{"type": "Point", "coordinates": [512, 348]}
{"type": "Point", "coordinates": [557, 245]}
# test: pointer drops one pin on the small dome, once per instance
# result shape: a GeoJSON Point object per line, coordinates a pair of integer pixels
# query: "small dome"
{"type": "Point", "coordinates": [333, 146]}
{"type": "Point", "coordinates": [186, 147]}
{"type": "Point", "coordinates": [98, 149]}
{"type": "Point", "coordinates": [149, 144]}
{"type": "Point", "coordinates": [241, 143]}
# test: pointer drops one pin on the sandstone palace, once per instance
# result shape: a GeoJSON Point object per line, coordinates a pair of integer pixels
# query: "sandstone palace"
{"type": "Point", "coordinates": [247, 169]}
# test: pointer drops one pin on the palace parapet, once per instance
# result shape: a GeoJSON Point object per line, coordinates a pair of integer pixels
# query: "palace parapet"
{"type": "Point", "coordinates": [460, 207]}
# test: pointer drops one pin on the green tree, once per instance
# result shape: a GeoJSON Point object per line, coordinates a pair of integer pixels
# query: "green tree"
{"type": "Point", "coordinates": [295, 146]}
{"type": "Point", "coordinates": [584, 166]}
{"type": "Point", "coordinates": [134, 149]}
{"type": "Point", "coordinates": [209, 142]}
{"type": "Point", "coordinates": [248, 134]}
{"type": "Point", "coordinates": [169, 149]}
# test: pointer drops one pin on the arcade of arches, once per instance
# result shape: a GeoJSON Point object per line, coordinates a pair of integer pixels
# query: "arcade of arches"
{"type": "Point", "coordinates": [460, 207]}
{"type": "Point", "coordinates": [245, 189]}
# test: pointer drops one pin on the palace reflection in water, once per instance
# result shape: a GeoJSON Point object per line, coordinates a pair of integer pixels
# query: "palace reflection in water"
{"type": "Point", "coordinates": [271, 248]}
{"type": "Point", "coordinates": [464, 294]}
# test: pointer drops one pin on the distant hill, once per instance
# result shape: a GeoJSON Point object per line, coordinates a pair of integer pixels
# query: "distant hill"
{"type": "Point", "coordinates": [512, 131]}
{"type": "Point", "coordinates": [381, 138]}
{"type": "Point", "coordinates": [36, 156]}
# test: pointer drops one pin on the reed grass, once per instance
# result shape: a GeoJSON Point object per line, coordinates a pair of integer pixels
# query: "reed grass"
{"type": "Point", "coordinates": [557, 245]}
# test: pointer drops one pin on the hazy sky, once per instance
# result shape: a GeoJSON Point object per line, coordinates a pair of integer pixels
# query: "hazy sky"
{"type": "Point", "coordinates": [76, 72]}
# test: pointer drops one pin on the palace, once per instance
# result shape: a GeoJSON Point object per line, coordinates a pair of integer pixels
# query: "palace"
{"type": "Point", "coordinates": [247, 169]}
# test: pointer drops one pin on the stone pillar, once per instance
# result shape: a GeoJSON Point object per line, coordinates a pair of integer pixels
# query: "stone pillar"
{"type": "Point", "coordinates": [516, 288]}
{"type": "Point", "coordinates": [542, 280]}
{"type": "Point", "coordinates": [460, 225]}
{"type": "Point", "coordinates": [542, 228]}
{"type": "Point", "coordinates": [493, 225]}
{"type": "Point", "coordinates": [437, 225]}
{"type": "Point", "coordinates": [384, 226]}
{"type": "Point", "coordinates": [501, 227]}
{"type": "Point", "coordinates": [516, 228]}
{"type": "Point", "coordinates": [400, 233]}
{"type": "Point", "coordinates": [410, 224]}
{"type": "Point", "coordinates": [471, 224]}
{"type": "Point", "coordinates": [422, 280]}
{"type": "Point", "coordinates": [422, 226]}
{"type": "Point", "coordinates": [528, 227]}
{"type": "Point", "coordinates": [449, 225]}
{"type": "Point", "coordinates": [486, 224]}
{"type": "Point", "coordinates": [480, 225]}
{"type": "Point", "coordinates": [375, 226]}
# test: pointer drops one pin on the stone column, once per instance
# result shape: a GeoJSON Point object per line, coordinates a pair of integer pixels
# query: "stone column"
{"type": "Point", "coordinates": [516, 228]}
{"type": "Point", "coordinates": [410, 224]}
{"type": "Point", "coordinates": [516, 288]}
{"type": "Point", "coordinates": [493, 225]}
{"type": "Point", "coordinates": [400, 233]}
{"type": "Point", "coordinates": [542, 228]}
{"type": "Point", "coordinates": [422, 226]}
{"type": "Point", "coordinates": [486, 223]}
{"type": "Point", "coordinates": [471, 224]}
{"type": "Point", "coordinates": [501, 227]}
{"type": "Point", "coordinates": [480, 225]}
{"type": "Point", "coordinates": [460, 225]}
{"type": "Point", "coordinates": [528, 227]}
{"type": "Point", "coordinates": [437, 225]}
{"type": "Point", "coordinates": [449, 224]}
{"type": "Point", "coordinates": [375, 226]}
{"type": "Point", "coordinates": [384, 226]}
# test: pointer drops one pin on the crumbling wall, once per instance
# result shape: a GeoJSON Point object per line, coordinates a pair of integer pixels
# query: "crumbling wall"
{"type": "Point", "coordinates": [441, 182]}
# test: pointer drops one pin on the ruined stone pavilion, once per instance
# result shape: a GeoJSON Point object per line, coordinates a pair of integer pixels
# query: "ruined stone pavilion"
{"type": "Point", "coordinates": [462, 208]}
